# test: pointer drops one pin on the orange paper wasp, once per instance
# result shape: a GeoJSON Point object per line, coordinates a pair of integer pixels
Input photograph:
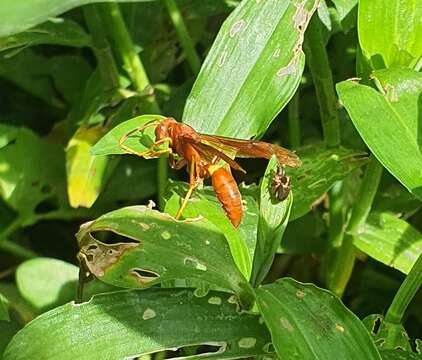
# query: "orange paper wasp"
{"type": "Point", "coordinates": [208, 156]}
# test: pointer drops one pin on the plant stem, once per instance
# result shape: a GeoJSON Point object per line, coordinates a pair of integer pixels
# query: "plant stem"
{"type": "Point", "coordinates": [184, 37]}
{"type": "Point", "coordinates": [133, 65]}
{"type": "Point", "coordinates": [294, 125]}
{"type": "Point", "coordinates": [101, 47]}
{"type": "Point", "coordinates": [407, 291]}
{"type": "Point", "coordinates": [317, 60]}
{"type": "Point", "coordinates": [344, 257]}
{"type": "Point", "coordinates": [16, 249]}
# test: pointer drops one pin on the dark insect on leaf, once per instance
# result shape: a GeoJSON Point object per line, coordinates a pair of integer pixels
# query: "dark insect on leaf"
{"type": "Point", "coordinates": [280, 184]}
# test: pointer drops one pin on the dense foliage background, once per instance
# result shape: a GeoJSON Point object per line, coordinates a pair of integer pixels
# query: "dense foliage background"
{"type": "Point", "coordinates": [77, 75]}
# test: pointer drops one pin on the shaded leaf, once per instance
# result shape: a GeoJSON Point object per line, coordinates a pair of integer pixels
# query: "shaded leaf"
{"type": "Point", "coordinates": [58, 32]}
{"type": "Point", "coordinates": [16, 17]}
{"type": "Point", "coordinates": [109, 143]}
{"type": "Point", "coordinates": [273, 220]}
{"type": "Point", "coordinates": [396, 140]}
{"type": "Point", "coordinates": [86, 173]}
{"type": "Point", "coordinates": [160, 249]}
{"type": "Point", "coordinates": [307, 322]}
{"type": "Point", "coordinates": [45, 282]}
{"type": "Point", "coordinates": [390, 32]}
{"type": "Point", "coordinates": [321, 168]}
{"type": "Point", "coordinates": [346, 13]}
{"type": "Point", "coordinates": [7, 330]}
{"type": "Point", "coordinates": [252, 70]}
{"type": "Point", "coordinates": [390, 240]}
{"type": "Point", "coordinates": [128, 324]}
{"type": "Point", "coordinates": [4, 308]}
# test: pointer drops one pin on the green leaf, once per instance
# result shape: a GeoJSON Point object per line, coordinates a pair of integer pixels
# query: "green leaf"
{"type": "Point", "coordinates": [390, 240]}
{"type": "Point", "coordinates": [307, 322]}
{"type": "Point", "coordinates": [387, 335]}
{"type": "Point", "coordinates": [203, 203]}
{"type": "Point", "coordinates": [390, 32]}
{"type": "Point", "coordinates": [399, 355]}
{"type": "Point", "coordinates": [31, 170]}
{"type": "Point", "coordinates": [32, 73]}
{"type": "Point", "coordinates": [17, 16]}
{"type": "Point", "coordinates": [346, 13]}
{"type": "Point", "coordinates": [109, 143]}
{"type": "Point", "coordinates": [321, 168]}
{"type": "Point", "coordinates": [86, 173]}
{"type": "Point", "coordinates": [45, 282]}
{"type": "Point", "coordinates": [252, 70]}
{"type": "Point", "coordinates": [396, 140]}
{"type": "Point", "coordinates": [58, 32]}
{"type": "Point", "coordinates": [7, 330]}
{"type": "Point", "coordinates": [160, 249]}
{"type": "Point", "coordinates": [4, 308]}
{"type": "Point", "coordinates": [273, 219]}
{"type": "Point", "coordinates": [128, 324]}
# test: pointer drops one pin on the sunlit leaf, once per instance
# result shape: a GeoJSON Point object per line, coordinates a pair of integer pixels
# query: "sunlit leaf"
{"type": "Point", "coordinates": [109, 143]}
{"type": "Point", "coordinates": [321, 168]}
{"type": "Point", "coordinates": [46, 282]}
{"type": "Point", "coordinates": [86, 173]}
{"type": "Point", "coordinates": [399, 355]}
{"type": "Point", "coordinates": [252, 70]}
{"type": "Point", "coordinates": [307, 322]}
{"type": "Point", "coordinates": [160, 249]}
{"type": "Point", "coordinates": [273, 219]}
{"type": "Point", "coordinates": [128, 324]}
{"type": "Point", "coordinates": [390, 32]}
{"type": "Point", "coordinates": [58, 32]}
{"type": "Point", "coordinates": [396, 140]}
{"type": "Point", "coordinates": [390, 240]}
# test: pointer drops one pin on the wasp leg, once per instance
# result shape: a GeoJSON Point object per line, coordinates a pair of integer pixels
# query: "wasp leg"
{"type": "Point", "coordinates": [194, 181]}
{"type": "Point", "coordinates": [146, 152]}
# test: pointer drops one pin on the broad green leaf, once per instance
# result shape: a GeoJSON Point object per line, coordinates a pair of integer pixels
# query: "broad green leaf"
{"type": "Point", "coordinates": [273, 219]}
{"type": "Point", "coordinates": [346, 13]}
{"type": "Point", "coordinates": [7, 330]}
{"type": "Point", "coordinates": [387, 335]}
{"type": "Point", "coordinates": [86, 173]}
{"type": "Point", "coordinates": [203, 203]}
{"type": "Point", "coordinates": [390, 32]}
{"type": "Point", "coordinates": [31, 170]}
{"type": "Point", "coordinates": [17, 16]}
{"type": "Point", "coordinates": [109, 143]}
{"type": "Point", "coordinates": [252, 70]}
{"type": "Point", "coordinates": [321, 168]}
{"type": "Point", "coordinates": [31, 72]}
{"type": "Point", "coordinates": [54, 32]}
{"type": "Point", "coordinates": [127, 324]}
{"type": "Point", "coordinates": [399, 355]}
{"type": "Point", "coordinates": [4, 308]}
{"type": "Point", "coordinates": [45, 282]}
{"type": "Point", "coordinates": [307, 322]}
{"type": "Point", "coordinates": [390, 240]}
{"type": "Point", "coordinates": [160, 249]}
{"type": "Point", "coordinates": [396, 140]}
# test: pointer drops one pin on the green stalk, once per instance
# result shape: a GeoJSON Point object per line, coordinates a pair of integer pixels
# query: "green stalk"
{"type": "Point", "coordinates": [133, 65]}
{"type": "Point", "coordinates": [101, 47]}
{"type": "Point", "coordinates": [183, 35]}
{"type": "Point", "coordinates": [16, 249]}
{"type": "Point", "coordinates": [344, 257]}
{"type": "Point", "coordinates": [404, 296]}
{"type": "Point", "coordinates": [317, 60]}
{"type": "Point", "coordinates": [293, 118]}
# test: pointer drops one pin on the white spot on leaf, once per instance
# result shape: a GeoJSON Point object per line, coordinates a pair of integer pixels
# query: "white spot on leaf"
{"type": "Point", "coordinates": [286, 324]}
{"type": "Point", "coordinates": [195, 263]}
{"type": "Point", "coordinates": [236, 27]}
{"type": "Point", "coordinates": [148, 314]}
{"type": "Point", "coordinates": [247, 342]}
{"type": "Point", "coordinates": [214, 300]}
{"type": "Point", "coordinates": [165, 235]}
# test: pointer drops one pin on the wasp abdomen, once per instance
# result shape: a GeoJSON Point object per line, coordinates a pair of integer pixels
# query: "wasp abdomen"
{"type": "Point", "coordinates": [228, 194]}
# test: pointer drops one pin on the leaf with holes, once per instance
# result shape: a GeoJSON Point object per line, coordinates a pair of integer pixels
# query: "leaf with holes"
{"type": "Point", "coordinates": [307, 322]}
{"type": "Point", "coordinates": [158, 248]}
{"type": "Point", "coordinates": [390, 32]}
{"type": "Point", "coordinates": [390, 240]}
{"type": "Point", "coordinates": [31, 171]}
{"type": "Point", "coordinates": [273, 220]}
{"type": "Point", "coordinates": [396, 140]}
{"type": "Point", "coordinates": [321, 168]}
{"type": "Point", "coordinates": [252, 70]}
{"type": "Point", "coordinates": [127, 324]}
